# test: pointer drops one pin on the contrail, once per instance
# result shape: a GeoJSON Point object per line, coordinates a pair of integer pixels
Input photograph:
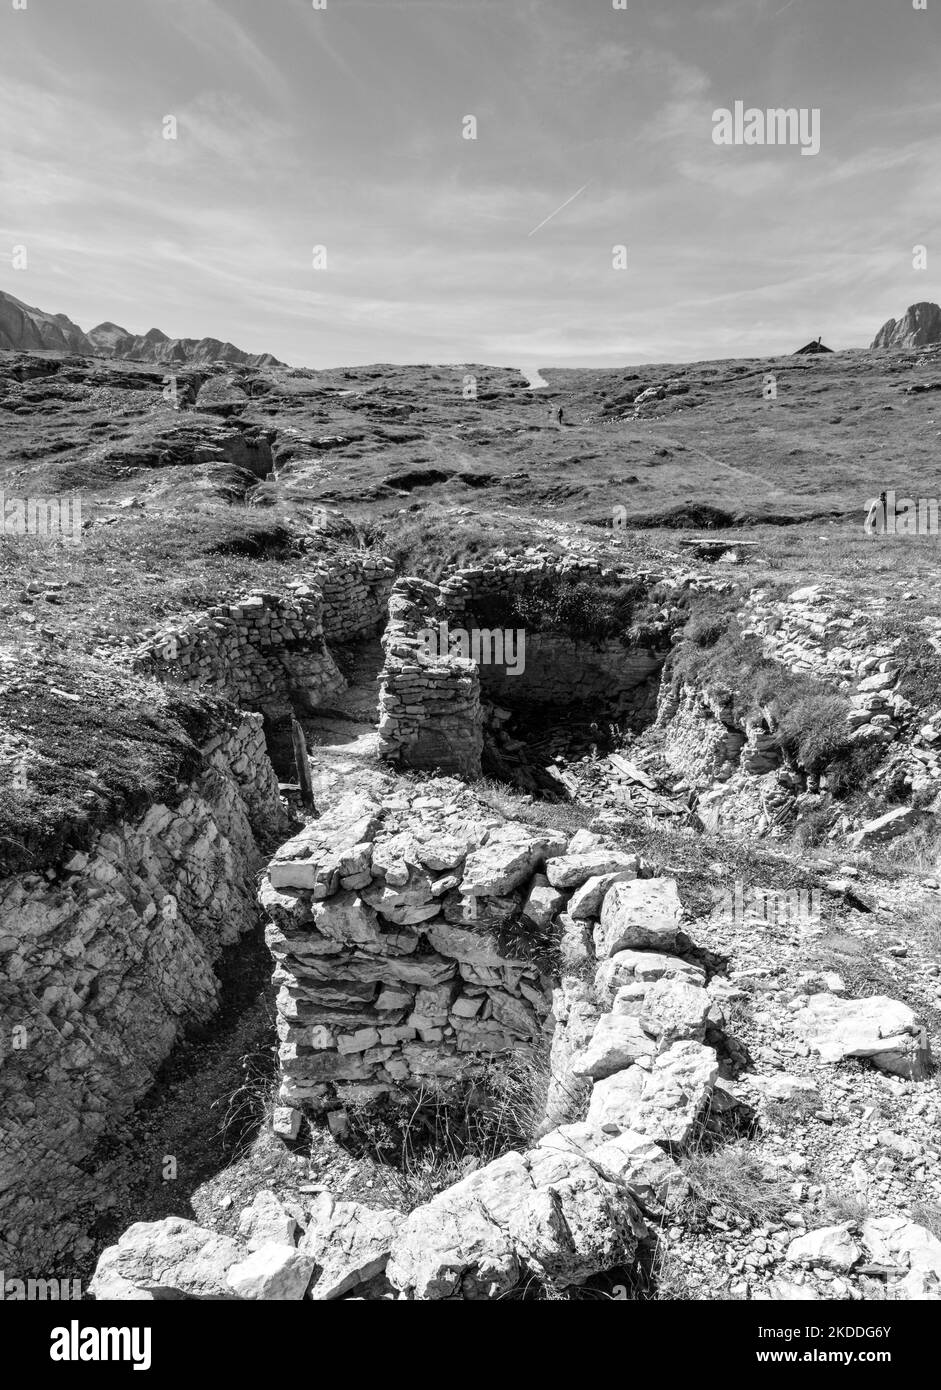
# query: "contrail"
{"type": "Point", "coordinates": [559, 208]}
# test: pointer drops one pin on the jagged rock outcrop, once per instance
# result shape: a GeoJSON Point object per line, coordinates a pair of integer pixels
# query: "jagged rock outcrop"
{"type": "Point", "coordinates": [24, 327]}
{"type": "Point", "coordinates": [919, 327]}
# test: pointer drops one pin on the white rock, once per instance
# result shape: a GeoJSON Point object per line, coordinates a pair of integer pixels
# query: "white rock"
{"type": "Point", "coordinates": [543, 902]}
{"type": "Point", "coordinates": [586, 901]}
{"type": "Point", "coordinates": [643, 913]}
{"type": "Point", "coordinates": [286, 1121]}
{"type": "Point", "coordinates": [169, 1258]}
{"type": "Point", "coordinates": [267, 1222]}
{"type": "Point", "coordinates": [508, 859]}
{"type": "Point", "coordinates": [349, 1244]}
{"type": "Point", "coordinates": [273, 1273]}
{"type": "Point", "coordinates": [829, 1247]}
{"type": "Point", "coordinates": [662, 1104]}
{"type": "Point", "coordinates": [884, 827]}
{"type": "Point", "coordinates": [617, 1042]}
{"type": "Point", "coordinates": [894, 1240]}
{"type": "Point", "coordinates": [882, 1029]}
{"type": "Point", "coordinates": [572, 870]}
{"type": "Point", "coordinates": [674, 1010]}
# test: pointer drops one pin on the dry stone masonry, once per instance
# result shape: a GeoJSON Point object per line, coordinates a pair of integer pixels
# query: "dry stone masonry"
{"type": "Point", "coordinates": [432, 712]}
{"type": "Point", "coordinates": [386, 920]}
{"type": "Point", "coordinates": [269, 651]}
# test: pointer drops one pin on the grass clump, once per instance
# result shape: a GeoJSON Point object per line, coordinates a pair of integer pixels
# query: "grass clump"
{"type": "Point", "coordinates": [730, 1184]}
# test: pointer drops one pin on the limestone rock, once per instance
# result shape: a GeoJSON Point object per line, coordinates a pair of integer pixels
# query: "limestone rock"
{"type": "Point", "coordinates": [674, 1009]}
{"type": "Point", "coordinates": [286, 1121]}
{"type": "Point", "coordinates": [884, 827]}
{"type": "Point", "coordinates": [543, 902]}
{"type": "Point", "coordinates": [586, 901]}
{"type": "Point", "coordinates": [884, 1030]}
{"type": "Point", "coordinates": [267, 1222]}
{"type": "Point", "coordinates": [829, 1247]}
{"type": "Point", "coordinates": [456, 1246]}
{"type": "Point", "coordinates": [173, 1258]}
{"type": "Point", "coordinates": [626, 967]}
{"type": "Point", "coordinates": [894, 1240]}
{"type": "Point", "coordinates": [617, 1042]}
{"type": "Point", "coordinates": [507, 859]}
{"type": "Point", "coordinates": [348, 1243]}
{"type": "Point", "coordinates": [573, 870]}
{"type": "Point", "coordinates": [272, 1273]}
{"type": "Point", "coordinates": [645, 912]}
{"type": "Point", "coordinates": [549, 1209]}
{"type": "Point", "coordinates": [649, 1173]}
{"type": "Point", "coordinates": [662, 1104]}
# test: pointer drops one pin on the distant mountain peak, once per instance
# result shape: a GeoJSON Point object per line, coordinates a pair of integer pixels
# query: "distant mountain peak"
{"type": "Point", "coordinates": [24, 328]}
{"type": "Point", "coordinates": [920, 327]}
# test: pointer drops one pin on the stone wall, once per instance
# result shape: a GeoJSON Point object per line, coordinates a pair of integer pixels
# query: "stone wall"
{"type": "Point", "coordinates": [105, 960]}
{"type": "Point", "coordinates": [265, 652]}
{"type": "Point", "coordinates": [429, 715]}
{"type": "Point", "coordinates": [430, 712]}
{"type": "Point", "coordinates": [386, 922]}
{"type": "Point", "coordinates": [268, 651]}
{"type": "Point", "coordinates": [415, 938]}
{"type": "Point", "coordinates": [355, 591]}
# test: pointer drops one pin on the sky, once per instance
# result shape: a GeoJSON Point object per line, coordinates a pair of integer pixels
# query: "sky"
{"type": "Point", "coordinates": [343, 127]}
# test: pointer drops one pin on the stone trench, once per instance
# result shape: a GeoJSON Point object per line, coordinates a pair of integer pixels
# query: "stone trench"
{"type": "Point", "coordinates": [398, 924]}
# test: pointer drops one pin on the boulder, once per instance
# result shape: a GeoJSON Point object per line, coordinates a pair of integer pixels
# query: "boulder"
{"type": "Point", "coordinates": [272, 1273]}
{"type": "Point", "coordinates": [173, 1258]}
{"type": "Point", "coordinates": [895, 1240]}
{"type": "Point", "coordinates": [348, 1243]}
{"type": "Point", "coordinates": [662, 1103]}
{"type": "Point", "coordinates": [543, 902]}
{"type": "Point", "coordinates": [548, 1210]}
{"type": "Point", "coordinates": [616, 1043]}
{"type": "Point", "coordinates": [829, 1247]}
{"type": "Point", "coordinates": [645, 912]}
{"type": "Point", "coordinates": [674, 1010]}
{"type": "Point", "coordinates": [884, 1030]}
{"type": "Point", "coordinates": [267, 1222]}
{"type": "Point", "coordinates": [650, 1174]}
{"type": "Point", "coordinates": [884, 827]}
{"type": "Point", "coordinates": [586, 901]}
{"type": "Point", "coordinates": [626, 967]}
{"type": "Point", "coordinates": [573, 870]}
{"type": "Point", "coordinates": [507, 859]}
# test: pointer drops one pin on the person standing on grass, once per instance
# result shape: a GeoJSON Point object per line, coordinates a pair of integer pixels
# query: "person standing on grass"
{"type": "Point", "coordinates": [561, 412]}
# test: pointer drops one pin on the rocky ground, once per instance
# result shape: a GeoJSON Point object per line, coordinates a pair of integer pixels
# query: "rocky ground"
{"type": "Point", "coordinates": [807, 1173]}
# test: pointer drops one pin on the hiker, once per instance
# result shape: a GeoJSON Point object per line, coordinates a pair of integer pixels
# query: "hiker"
{"type": "Point", "coordinates": [872, 516]}
{"type": "Point", "coordinates": [560, 415]}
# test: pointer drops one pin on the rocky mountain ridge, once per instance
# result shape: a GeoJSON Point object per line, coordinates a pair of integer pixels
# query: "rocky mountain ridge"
{"type": "Point", "coordinates": [26, 328]}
